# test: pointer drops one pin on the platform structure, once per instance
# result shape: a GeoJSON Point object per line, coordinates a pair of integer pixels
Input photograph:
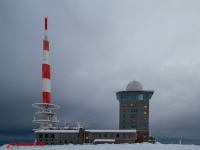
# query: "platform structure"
{"type": "Point", "coordinates": [48, 115]}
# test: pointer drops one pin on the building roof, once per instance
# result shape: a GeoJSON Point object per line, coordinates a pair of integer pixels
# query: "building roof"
{"type": "Point", "coordinates": [113, 131]}
{"type": "Point", "coordinates": [134, 86]}
{"type": "Point", "coordinates": [142, 91]}
{"type": "Point", "coordinates": [93, 131]}
{"type": "Point", "coordinates": [57, 131]}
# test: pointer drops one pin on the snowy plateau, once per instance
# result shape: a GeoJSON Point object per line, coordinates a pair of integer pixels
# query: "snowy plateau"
{"type": "Point", "coordinates": [143, 146]}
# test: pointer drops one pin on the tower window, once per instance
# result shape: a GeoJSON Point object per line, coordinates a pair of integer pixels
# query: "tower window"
{"type": "Point", "coordinates": [133, 127]}
{"type": "Point", "coordinates": [145, 112]}
{"type": "Point", "coordinates": [124, 121]}
{"type": "Point", "coordinates": [145, 106]}
{"type": "Point", "coordinates": [133, 110]}
{"type": "Point", "coordinates": [124, 116]}
{"type": "Point", "coordinates": [134, 116]}
{"type": "Point", "coordinates": [124, 127]}
{"type": "Point", "coordinates": [124, 104]}
{"type": "Point", "coordinates": [124, 110]}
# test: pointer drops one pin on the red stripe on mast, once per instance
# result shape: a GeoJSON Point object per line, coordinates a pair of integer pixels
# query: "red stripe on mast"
{"type": "Point", "coordinates": [46, 71]}
{"type": "Point", "coordinates": [46, 97]}
{"type": "Point", "coordinates": [46, 23]}
{"type": "Point", "coordinates": [46, 45]}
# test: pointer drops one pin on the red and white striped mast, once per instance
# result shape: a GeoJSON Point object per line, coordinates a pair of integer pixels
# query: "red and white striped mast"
{"type": "Point", "coordinates": [46, 109]}
{"type": "Point", "coordinates": [46, 75]}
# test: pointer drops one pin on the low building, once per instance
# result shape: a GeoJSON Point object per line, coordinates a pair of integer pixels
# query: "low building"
{"type": "Point", "coordinates": [57, 137]}
{"type": "Point", "coordinates": [110, 136]}
{"type": "Point", "coordinates": [81, 136]}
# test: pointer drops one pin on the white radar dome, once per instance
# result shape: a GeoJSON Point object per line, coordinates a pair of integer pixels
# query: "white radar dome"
{"type": "Point", "coordinates": [134, 86]}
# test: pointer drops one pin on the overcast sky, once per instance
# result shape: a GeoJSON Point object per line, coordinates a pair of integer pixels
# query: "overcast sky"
{"type": "Point", "coordinates": [96, 48]}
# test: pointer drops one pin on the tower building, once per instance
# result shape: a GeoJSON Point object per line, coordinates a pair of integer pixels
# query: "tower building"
{"type": "Point", "coordinates": [134, 110]}
{"type": "Point", "coordinates": [46, 109]}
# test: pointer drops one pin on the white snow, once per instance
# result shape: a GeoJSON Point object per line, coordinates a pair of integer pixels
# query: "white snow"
{"type": "Point", "coordinates": [143, 146]}
{"type": "Point", "coordinates": [76, 131]}
{"type": "Point", "coordinates": [104, 140]}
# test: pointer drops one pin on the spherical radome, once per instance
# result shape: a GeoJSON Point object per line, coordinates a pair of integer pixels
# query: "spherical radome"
{"type": "Point", "coordinates": [134, 86]}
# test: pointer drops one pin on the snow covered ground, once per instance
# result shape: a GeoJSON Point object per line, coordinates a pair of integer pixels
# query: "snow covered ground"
{"type": "Point", "coordinates": [143, 146]}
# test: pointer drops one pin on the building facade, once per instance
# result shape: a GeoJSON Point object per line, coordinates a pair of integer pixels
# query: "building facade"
{"type": "Point", "coordinates": [57, 137]}
{"type": "Point", "coordinates": [82, 136]}
{"type": "Point", "coordinates": [134, 110]}
{"type": "Point", "coordinates": [110, 136]}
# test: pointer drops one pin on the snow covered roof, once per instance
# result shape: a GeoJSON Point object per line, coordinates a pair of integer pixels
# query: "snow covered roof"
{"type": "Point", "coordinates": [57, 131]}
{"type": "Point", "coordinates": [104, 140]}
{"type": "Point", "coordinates": [114, 131]}
{"type": "Point", "coordinates": [93, 131]}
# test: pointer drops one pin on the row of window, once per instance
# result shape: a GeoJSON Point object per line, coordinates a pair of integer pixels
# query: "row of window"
{"type": "Point", "coordinates": [110, 135]}
{"type": "Point", "coordinates": [134, 115]}
{"type": "Point", "coordinates": [46, 136]}
{"type": "Point", "coordinates": [134, 96]}
{"type": "Point", "coordinates": [133, 121]}
{"type": "Point", "coordinates": [133, 105]}
{"type": "Point", "coordinates": [61, 136]}
{"type": "Point", "coordinates": [134, 127]}
{"type": "Point", "coordinates": [132, 110]}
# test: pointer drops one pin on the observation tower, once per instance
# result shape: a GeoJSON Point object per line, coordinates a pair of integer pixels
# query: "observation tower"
{"type": "Point", "coordinates": [134, 109]}
{"type": "Point", "coordinates": [46, 109]}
